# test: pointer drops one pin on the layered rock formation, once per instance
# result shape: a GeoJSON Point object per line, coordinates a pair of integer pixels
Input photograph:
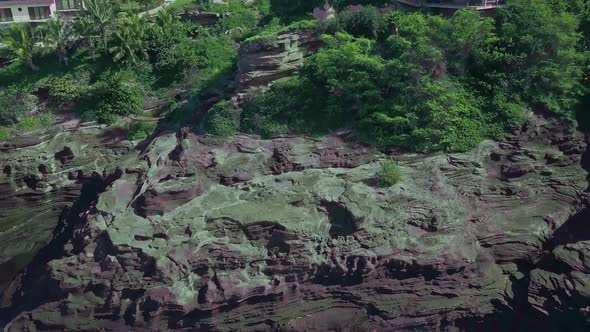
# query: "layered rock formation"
{"type": "Point", "coordinates": [43, 173]}
{"type": "Point", "coordinates": [292, 234]}
{"type": "Point", "coordinates": [265, 60]}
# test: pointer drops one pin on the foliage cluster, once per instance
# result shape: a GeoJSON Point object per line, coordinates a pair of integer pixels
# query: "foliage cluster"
{"type": "Point", "coordinates": [33, 122]}
{"type": "Point", "coordinates": [418, 80]}
{"type": "Point", "coordinates": [64, 89]}
{"type": "Point", "coordinates": [431, 83]}
{"type": "Point", "coordinates": [164, 53]}
{"type": "Point", "coordinates": [109, 97]}
{"type": "Point", "coordinates": [15, 103]}
{"type": "Point", "coordinates": [4, 133]}
{"type": "Point", "coordinates": [222, 120]}
{"type": "Point", "coordinates": [140, 130]}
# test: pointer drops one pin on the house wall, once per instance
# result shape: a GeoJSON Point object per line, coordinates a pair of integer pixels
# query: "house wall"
{"type": "Point", "coordinates": [20, 9]}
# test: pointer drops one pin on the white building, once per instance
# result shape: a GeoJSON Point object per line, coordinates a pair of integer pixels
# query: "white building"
{"type": "Point", "coordinates": [36, 11]}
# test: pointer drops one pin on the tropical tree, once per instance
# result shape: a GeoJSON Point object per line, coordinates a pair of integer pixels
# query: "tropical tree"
{"type": "Point", "coordinates": [87, 33]}
{"type": "Point", "coordinates": [540, 54]}
{"type": "Point", "coordinates": [59, 35]}
{"type": "Point", "coordinates": [129, 39]}
{"type": "Point", "coordinates": [165, 21]}
{"type": "Point", "coordinates": [102, 15]}
{"type": "Point", "coordinates": [21, 44]}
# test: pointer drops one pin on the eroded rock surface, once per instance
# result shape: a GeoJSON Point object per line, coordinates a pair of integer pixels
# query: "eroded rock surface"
{"type": "Point", "coordinates": [292, 234]}
{"type": "Point", "coordinates": [40, 176]}
{"type": "Point", "coordinates": [266, 60]}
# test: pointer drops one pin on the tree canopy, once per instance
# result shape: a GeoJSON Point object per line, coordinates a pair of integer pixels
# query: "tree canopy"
{"type": "Point", "coordinates": [418, 79]}
{"type": "Point", "coordinates": [428, 82]}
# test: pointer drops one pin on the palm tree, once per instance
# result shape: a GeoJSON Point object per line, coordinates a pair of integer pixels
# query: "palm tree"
{"type": "Point", "coordinates": [87, 32]}
{"type": "Point", "coordinates": [21, 44]}
{"type": "Point", "coordinates": [129, 39]}
{"type": "Point", "coordinates": [165, 21]}
{"type": "Point", "coordinates": [59, 34]}
{"type": "Point", "coordinates": [102, 16]}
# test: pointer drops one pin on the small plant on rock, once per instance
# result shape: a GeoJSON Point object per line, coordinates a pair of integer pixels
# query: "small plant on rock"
{"type": "Point", "coordinates": [29, 123]}
{"type": "Point", "coordinates": [4, 133]}
{"type": "Point", "coordinates": [389, 174]}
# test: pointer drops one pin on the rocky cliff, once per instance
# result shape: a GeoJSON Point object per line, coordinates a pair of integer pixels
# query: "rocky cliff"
{"type": "Point", "coordinates": [268, 59]}
{"type": "Point", "coordinates": [292, 234]}
{"type": "Point", "coordinates": [41, 175]}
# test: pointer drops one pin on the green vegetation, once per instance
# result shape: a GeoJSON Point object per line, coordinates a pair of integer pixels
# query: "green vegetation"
{"type": "Point", "coordinates": [129, 41]}
{"type": "Point", "coordinates": [366, 22]}
{"type": "Point", "coordinates": [222, 120]}
{"type": "Point", "coordinates": [15, 103]}
{"type": "Point", "coordinates": [58, 34]}
{"type": "Point", "coordinates": [109, 60]}
{"type": "Point", "coordinates": [182, 4]}
{"type": "Point", "coordinates": [35, 122]}
{"type": "Point", "coordinates": [418, 80]}
{"type": "Point", "coordinates": [111, 96]}
{"type": "Point", "coordinates": [4, 133]}
{"type": "Point", "coordinates": [275, 27]}
{"type": "Point", "coordinates": [140, 130]}
{"type": "Point", "coordinates": [389, 173]}
{"type": "Point", "coordinates": [20, 44]}
{"type": "Point", "coordinates": [434, 83]}
{"type": "Point", "coordinates": [64, 89]}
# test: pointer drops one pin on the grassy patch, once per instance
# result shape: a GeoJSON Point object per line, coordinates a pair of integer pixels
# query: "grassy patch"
{"type": "Point", "coordinates": [4, 133]}
{"type": "Point", "coordinates": [182, 4]}
{"type": "Point", "coordinates": [35, 122]}
{"type": "Point", "coordinates": [389, 173]}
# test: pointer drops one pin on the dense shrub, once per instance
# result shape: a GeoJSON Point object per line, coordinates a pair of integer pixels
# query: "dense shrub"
{"type": "Point", "coordinates": [131, 7]}
{"type": "Point", "coordinates": [540, 55]}
{"type": "Point", "coordinates": [347, 84]}
{"type": "Point", "coordinates": [389, 173]}
{"type": "Point", "coordinates": [222, 120]}
{"type": "Point", "coordinates": [169, 46]}
{"type": "Point", "coordinates": [65, 89]}
{"type": "Point", "coordinates": [110, 97]}
{"type": "Point", "coordinates": [237, 24]}
{"type": "Point", "coordinates": [16, 101]}
{"type": "Point", "coordinates": [287, 102]}
{"type": "Point", "coordinates": [215, 53]}
{"type": "Point", "coordinates": [435, 83]}
{"type": "Point", "coordinates": [140, 130]}
{"type": "Point", "coordinates": [362, 22]}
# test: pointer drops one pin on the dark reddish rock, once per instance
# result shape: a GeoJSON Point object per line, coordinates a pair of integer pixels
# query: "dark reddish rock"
{"type": "Point", "coordinates": [266, 60]}
{"type": "Point", "coordinates": [288, 234]}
